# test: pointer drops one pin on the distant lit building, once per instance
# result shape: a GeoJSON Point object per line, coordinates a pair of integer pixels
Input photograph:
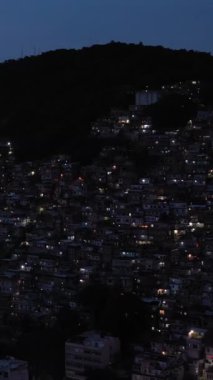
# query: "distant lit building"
{"type": "Point", "coordinates": [147, 97]}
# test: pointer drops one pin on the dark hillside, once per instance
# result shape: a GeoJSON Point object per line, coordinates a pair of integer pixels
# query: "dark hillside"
{"type": "Point", "coordinates": [47, 102]}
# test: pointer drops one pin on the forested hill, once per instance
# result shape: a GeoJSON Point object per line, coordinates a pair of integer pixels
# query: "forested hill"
{"type": "Point", "coordinates": [47, 102]}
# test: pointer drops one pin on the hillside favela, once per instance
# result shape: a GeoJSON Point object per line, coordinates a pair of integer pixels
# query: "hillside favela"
{"type": "Point", "coordinates": [106, 223]}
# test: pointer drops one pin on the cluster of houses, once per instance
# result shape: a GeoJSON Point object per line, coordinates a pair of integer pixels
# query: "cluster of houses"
{"type": "Point", "coordinates": [62, 225]}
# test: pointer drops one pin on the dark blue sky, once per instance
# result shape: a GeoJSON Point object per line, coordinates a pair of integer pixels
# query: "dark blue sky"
{"type": "Point", "coordinates": [29, 26]}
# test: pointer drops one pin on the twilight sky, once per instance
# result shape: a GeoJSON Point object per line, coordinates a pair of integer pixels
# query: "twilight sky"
{"type": "Point", "coordinates": [33, 26]}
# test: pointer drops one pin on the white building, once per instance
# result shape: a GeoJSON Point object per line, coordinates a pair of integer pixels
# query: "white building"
{"type": "Point", "coordinates": [89, 351]}
{"type": "Point", "coordinates": [13, 369]}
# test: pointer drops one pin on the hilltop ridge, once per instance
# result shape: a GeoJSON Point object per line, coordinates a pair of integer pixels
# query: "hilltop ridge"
{"type": "Point", "coordinates": [49, 101]}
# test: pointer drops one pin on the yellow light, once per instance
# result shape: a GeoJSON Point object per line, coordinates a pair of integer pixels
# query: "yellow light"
{"type": "Point", "coordinates": [191, 333]}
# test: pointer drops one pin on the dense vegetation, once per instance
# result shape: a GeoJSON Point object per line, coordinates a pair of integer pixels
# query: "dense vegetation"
{"type": "Point", "coordinates": [47, 102]}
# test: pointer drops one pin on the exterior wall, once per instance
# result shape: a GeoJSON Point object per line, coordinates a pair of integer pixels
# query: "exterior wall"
{"type": "Point", "coordinates": [19, 374]}
{"type": "Point", "coordinates": [193, 348]}
{"type": "Point", "coordinates": [92, 352]}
